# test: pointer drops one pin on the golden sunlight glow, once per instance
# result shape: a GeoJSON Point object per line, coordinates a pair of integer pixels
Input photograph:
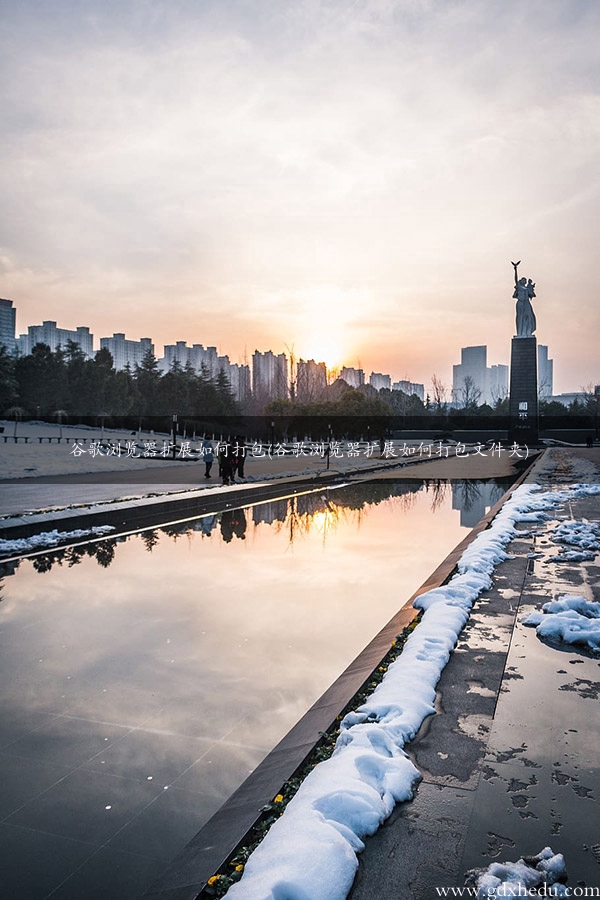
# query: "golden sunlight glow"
{"type": "Point", "coordinates": [325, 348]}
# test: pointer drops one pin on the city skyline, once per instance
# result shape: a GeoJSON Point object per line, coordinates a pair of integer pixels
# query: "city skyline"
{"type": "Point", "coordinates": [350, 181]}
{"type": "Point", "coordinates": [196, 354]}
{"type": "Point", "coordinates": [54, 335]}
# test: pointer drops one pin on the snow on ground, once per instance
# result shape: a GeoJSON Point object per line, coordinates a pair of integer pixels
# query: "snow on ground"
{"type": "Point", "coordinates": [570, 619]}
{"type": "Point", "coordinates": [503, 879]}
{"type": "Point", "coordinates": [582, 535]}
{"type": "Point", "coordinates": [51, 539]}
{"type": "Point", "coordinates": [347, 797]}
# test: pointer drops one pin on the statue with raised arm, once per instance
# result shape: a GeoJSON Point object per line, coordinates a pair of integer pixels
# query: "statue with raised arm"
{"type": "Point", "coordinates": [524, 292]}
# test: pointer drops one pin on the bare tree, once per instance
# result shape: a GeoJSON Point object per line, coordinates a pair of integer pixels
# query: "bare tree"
{"type": "Point", "coordinates": [498, 393]}
{"type": "Point", "coordinates": [440, 393]}
{"type": "Point", "coordinates": [591, 401]}
{"type": "Point", "coordinates": [292, 372]}
{"type": "Point", "coordinates": [469, 393]}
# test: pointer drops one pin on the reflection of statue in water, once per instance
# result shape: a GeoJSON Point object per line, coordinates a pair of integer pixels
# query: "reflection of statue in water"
{"type": "Point", "coordinates": [524, 291]}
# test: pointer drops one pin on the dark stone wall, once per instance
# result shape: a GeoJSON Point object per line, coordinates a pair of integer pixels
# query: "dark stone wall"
{"type": "Point", "coordinates": [523, 401]}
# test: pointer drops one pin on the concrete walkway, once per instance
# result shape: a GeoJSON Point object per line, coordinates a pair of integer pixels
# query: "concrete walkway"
{"type": "Point", "coordinates": [510, 763]}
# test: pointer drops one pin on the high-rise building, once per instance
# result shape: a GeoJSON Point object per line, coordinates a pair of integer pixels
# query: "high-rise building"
{"type": "Point", "coordinates": [469, 378]}
{"type": "Point", "coordinates": [202, 359]}
{"type": "Point", "coordinates": [239, 380]}
{"type": "Point", "coordinates": [48, 333]}
{"type": "Point", "coordinates": [497, 383]}
{"type": "Point", "coordinates": [311, 380]}
{"type": "Point", "coordinates": [8, 316]}
{"type": "Point", "coordinates": [206, 361]}
{"type": "Point", "coordinates": [353, 377]}
{"type": "Point", "coordinates": [379, 381]}
{"type": "Point", "coordinates": [125, 352]}
{"type": "Point", "coordinates": [410, 388]}
{"type": "Point", "coordinates": [545, 373]}
{"type": "Point", "coordinates": [269, 375]}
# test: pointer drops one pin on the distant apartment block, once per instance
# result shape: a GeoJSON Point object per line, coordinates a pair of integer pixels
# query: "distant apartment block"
{"type": "Point", "coordinates": [379, 381]}
{"type": "Point", "coordinates": [353, 377]}
{"type": "Point", "coordinates": [497, 383]}
{"type": "Point", "coordinates": [202, 359]}
{"type": "Point", "coordinates": [8, 319]}
{"type": "Point", "coordinates": [311, 380]}
{"type": "Point", "coordinates": [410, 388]}
{"type": "Point", "coordinates": [474, 381]}
{"type": "Point", "coordinates": [48, 333]}
{"type": "Point", "coordinates": [469, 378]}
{"type": "Point", "coordinates": [125, 352]}
{"type": "Point", "coordinates": [269, 375]}
{"type": "Point", "coordinates": [545, 373]}
{"type": "Point", "coordinates": [206, 361]}
{"type": "Point", "coordinates": [240, 382]}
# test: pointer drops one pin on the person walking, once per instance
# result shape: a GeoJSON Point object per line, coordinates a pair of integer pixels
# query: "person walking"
{"type": "Point", "coordinates": [208, 456]}
{"type": "Point", "coordinates": [226, 461]}
{"type": "Point", "coordinates": [239, 455]}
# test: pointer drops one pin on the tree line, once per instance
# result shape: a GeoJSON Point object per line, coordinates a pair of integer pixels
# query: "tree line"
{"type": "Point", "coordinates": [47, 384]}
{"type": "Point", "coordinates": [65, 384]}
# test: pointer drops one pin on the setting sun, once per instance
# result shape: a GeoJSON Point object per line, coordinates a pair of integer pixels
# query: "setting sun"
{"type": "Point", "coordinates": [324, 348]}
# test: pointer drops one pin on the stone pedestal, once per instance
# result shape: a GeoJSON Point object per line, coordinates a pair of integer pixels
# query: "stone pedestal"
{"type": "Point", "coordinates": [523, 398]}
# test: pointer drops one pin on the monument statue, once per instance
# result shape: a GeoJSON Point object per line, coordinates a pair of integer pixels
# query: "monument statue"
{"type": "Point", "coordinates": [524, 291]}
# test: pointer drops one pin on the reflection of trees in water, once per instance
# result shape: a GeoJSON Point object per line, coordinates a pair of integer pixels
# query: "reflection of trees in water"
{"type": "Point", "coordinates": [305, 513]}
{"type": "Point", "coordinates": [372, 493]}
{"type": "Point", "coordinates": [175, 531]}
{"type": "Point", "coordinates": [102, 551]}
{"type": "Point", "coordinates": [105, 553]}
{"type": "Point", "coordinates": [470, 493]}
{"type": "Point", "coordinates": [150, 539]}
{"type": "Point", "coordinates": [438, 490]}
{"type": "Point", "coordinates": [325, 511]}
{"type": "Point", "coordinates": [322, 511]}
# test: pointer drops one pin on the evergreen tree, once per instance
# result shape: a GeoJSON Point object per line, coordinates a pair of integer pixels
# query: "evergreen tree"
{"type": "Point", "coordinates": [147, 381]}
{"type": "Point", "coordinates": [9, 388]}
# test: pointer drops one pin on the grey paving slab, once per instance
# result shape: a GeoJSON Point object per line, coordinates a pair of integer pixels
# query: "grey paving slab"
{"type": "Point", "coordinates": [109, 874]}
{"type": "Point", "coordinates": [50, 860]}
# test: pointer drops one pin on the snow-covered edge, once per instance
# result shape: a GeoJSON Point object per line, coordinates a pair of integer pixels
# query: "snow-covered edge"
{"type": "Point", "coordinates": [310, 852]}
{"type": "Point", "coordinates": [51, 539]}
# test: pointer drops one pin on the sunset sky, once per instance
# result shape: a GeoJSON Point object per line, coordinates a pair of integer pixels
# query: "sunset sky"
{"type": "Point", "coordinates": [347, 178]}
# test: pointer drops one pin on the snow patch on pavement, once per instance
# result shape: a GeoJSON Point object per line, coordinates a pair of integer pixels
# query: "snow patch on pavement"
{"type": "Point", "coordinates": [585, 536]}
{"type": "Point", "coordinates": [570, 619]}
{"type": "Point", "coordinates": [503, 879]}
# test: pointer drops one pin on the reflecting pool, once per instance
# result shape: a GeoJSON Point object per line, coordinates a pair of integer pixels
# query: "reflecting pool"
{"type": "Point", "coordinates": [145, 677]}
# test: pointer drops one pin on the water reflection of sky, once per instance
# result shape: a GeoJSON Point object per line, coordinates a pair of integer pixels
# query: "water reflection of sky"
{"type": "Point", "coordinates": [145, 677]}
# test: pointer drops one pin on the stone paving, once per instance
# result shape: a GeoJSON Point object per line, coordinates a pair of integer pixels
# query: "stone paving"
{"type": "Point", "coordinates": [510, 763]}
